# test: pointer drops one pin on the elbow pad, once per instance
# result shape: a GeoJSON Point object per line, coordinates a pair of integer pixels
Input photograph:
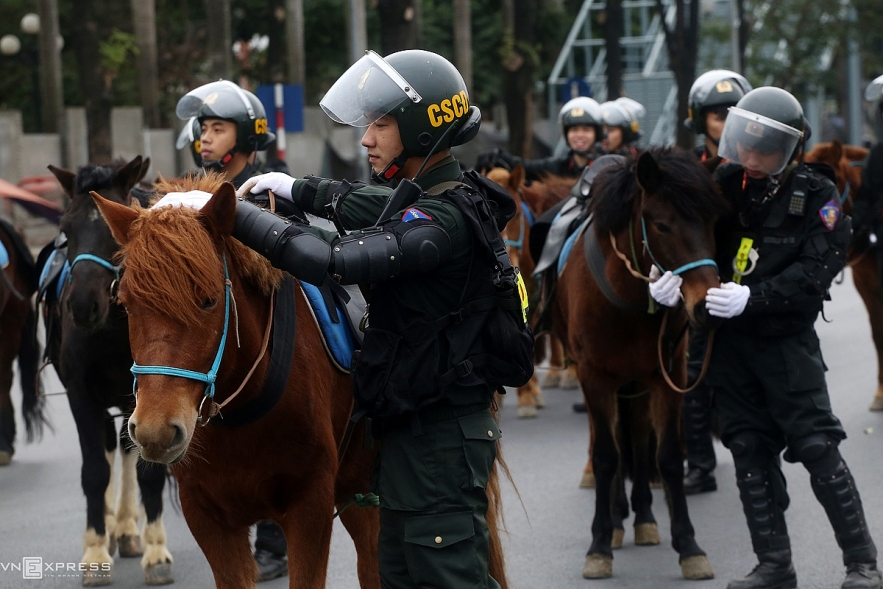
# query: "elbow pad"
{"type": "Point", "coordinates": [387, 253]}
{"type": "Point", "coordinates": [288, 247]}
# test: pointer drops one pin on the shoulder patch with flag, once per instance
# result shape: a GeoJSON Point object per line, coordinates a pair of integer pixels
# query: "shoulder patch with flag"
{"type": "Point", "coordinates": [830, 213]}
{"type": "Point", "coordinates": [412, 214]}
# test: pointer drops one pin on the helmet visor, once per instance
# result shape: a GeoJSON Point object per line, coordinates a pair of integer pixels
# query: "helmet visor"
{"type": "Point", "coordinates": [757, 142]}
{"type": "Point", "coordinates": [368, 90]}
{"type": "Point", "coordinates": [186, 136]}
{"type": "Point", "coordinates": [223, 99]}
{"type": "Point", "coordinates": [874, 91]}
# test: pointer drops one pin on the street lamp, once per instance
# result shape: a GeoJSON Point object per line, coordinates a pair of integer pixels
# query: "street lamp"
{"type": "Point", "coordinates": [11, 46]}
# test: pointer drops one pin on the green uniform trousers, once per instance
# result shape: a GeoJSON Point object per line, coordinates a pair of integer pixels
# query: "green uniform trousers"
{"type": "Point", "coordinates": [431, 483]}
{"type": "Point", "coordinates": [774, 386]}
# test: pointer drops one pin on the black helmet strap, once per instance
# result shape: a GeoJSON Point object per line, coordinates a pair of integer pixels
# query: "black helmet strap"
{"type": "Point", "coordinates": [386, 175]}
{"type": "Point", "coordinates": [219, 164]}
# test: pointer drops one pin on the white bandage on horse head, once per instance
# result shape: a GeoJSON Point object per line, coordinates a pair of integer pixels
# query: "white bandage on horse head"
{"type": "Point", "coordinates": [195, 199]}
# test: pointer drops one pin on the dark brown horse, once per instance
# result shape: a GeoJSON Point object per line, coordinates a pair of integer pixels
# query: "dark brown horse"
{"type": "Point", "coordinates": [18, 338]}
{"type": "Point", "coordinates": [846, 161]}
{"type": "Point", "coordinates": [613, 338]}
{"type": "Point", "coordinates": [286, 465]}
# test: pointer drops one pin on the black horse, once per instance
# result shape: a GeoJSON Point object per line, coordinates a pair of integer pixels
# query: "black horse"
{"type": "Point", "coordinates": [88, 343]}
{"type": "Point", "coordinates": [18, 338]}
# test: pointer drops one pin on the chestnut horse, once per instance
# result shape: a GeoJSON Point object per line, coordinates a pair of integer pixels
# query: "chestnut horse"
{"type": "Point", "coordinates": [659, 208]}
{"type": "Point", "coordinates": [18, 328]}
{"type": "Point", "coordinates": [846, 161]}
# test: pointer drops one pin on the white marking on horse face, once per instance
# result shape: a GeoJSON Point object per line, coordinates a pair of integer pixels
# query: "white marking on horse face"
{"type": "Point", "coordinates": [94, 215]}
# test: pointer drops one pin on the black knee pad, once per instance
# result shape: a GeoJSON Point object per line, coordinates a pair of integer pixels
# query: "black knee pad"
{"type": "Point", "coordinates": [817, 452]}
{"type": "Point", "coordinates": [750, 449]}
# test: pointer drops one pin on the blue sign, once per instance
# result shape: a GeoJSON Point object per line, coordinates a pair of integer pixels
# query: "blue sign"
{"type": "Point", "coordinates": [293, 106]}
{"type": "Point", "coordinates": [573, 87]}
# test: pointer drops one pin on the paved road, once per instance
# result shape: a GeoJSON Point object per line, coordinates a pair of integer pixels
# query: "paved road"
{"type": "Point", "coordinates": [42, 507]}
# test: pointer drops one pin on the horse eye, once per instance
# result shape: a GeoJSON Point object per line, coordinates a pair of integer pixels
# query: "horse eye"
{"type": "Point", "coordinates": [209, 304]}
{"type": "Point", "coordinates": [662, 228]}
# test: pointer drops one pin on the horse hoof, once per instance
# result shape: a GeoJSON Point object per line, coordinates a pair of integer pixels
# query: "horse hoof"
{"type": "Point", "coordinates": [96, 578]}
{"type": "Point", "coordinates": [159, 574]}
{"type": "Point", "coordinates": [618, 535]}
{"type": "Point", "coordinates": [5, 457]}
{"type": "Point", "coordinates": [697, 568]}
{"type": "Point", "coordinates": [130, 546]}
{"type": "Point", "coordinates": [527, 411]}
{"type": "Point", "coordinates": [598, 566]}
{"type": "Point", "coordinates": [569, 382]}
{"type": "Point", "coordinates": [588, 481]}
{"type": "Point", "coordinates": [647, 534]}
{"type": "Point", "coordinates": [111, 544]}
{"type": "Point", "coordinates": [552, 380]}
{"type": "Point", "coordinates": [539, 400]}
{"type": "Point", "coordinates": [876, 404]}
{"type": "Point", "coordinates": [657, 485]}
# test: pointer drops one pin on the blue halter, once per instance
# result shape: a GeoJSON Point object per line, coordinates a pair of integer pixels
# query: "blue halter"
{"type": "Point", "coordinates": [682, 269]}
{"type": "Point", "coordinates": [206, 377]}
{"type": "Point", "coordinates": [97, 260]}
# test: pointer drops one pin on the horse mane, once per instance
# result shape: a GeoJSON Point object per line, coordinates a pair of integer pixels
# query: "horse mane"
{"type": "Point", "coordinates": [543, 194]}
{"type": "Point", "coordinates": [95, 177]}
{"type": "Point", "coordinates": [684, 183]}
{"type": "Point", "coordinates": [171, 256]}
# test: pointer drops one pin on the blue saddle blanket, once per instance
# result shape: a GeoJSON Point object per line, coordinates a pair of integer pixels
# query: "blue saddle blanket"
{"type": "Point", "coordinates": [59, 278]}
{"type": "Point", "coordinates": [568, 245]}
{"type": "Point", "coordinates": [4, 256]}
{"type": "Point", "coordinates": [337, 337]}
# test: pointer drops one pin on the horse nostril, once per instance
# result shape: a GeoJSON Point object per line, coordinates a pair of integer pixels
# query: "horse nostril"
{"type": "Point", "coordinates": [180, 435]}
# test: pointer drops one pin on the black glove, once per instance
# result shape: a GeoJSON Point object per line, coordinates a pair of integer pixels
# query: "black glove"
{"type": "Point", "coordinates": [495, 158]}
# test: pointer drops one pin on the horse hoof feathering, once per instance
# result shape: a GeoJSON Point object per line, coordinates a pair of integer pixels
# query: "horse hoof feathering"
{"type": "Point", "coordinates": [130, 546]}
{"type": "Point", "coordinates": [697, 568]}
{"type": "Point", "coordinates": [5, 458]}
{"type": "Point", "coordinates": [618, 536]}
{"type": "Point", "coordinates": [588, 481]}
{"type": "Point", "coordinates": [598, 566]}
{"type": "Point", "coordinates": [647, 534]}
{"type": "Point", "coordinates": [877, 403]}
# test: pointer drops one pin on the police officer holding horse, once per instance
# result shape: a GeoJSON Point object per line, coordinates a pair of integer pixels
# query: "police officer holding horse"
{"type": "Point", "coordinates": [446, 326]}
{"type": "Point", "coordinates": [779, 250]}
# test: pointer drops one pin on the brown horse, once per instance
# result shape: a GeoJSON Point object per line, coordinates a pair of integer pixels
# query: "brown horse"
{"type": "Point", "coordinates": [18, 328]}
{"type": "Point", "coordinates": [659, 208]}
{"type": "Point", "coordinates": [846, 161]}
{"type": "Point", "coordinates": [286, 465]}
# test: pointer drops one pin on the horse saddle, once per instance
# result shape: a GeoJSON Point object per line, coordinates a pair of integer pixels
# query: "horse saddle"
{"type": "Point", "coordinates": [19, 245]}
{"type": "Point", "coordinates": [338, 320]}
{"type": "Point", "coordinates": [54, 268]}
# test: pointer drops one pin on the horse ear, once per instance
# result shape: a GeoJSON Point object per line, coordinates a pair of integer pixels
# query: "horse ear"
{"type": "Point", "coordinates": [145, 165]}
{"type": "Point", "coordinates": [648, 173]}
{"type": "Point", "coordinates": [119, 217]}
{"type": "Point", "coordinates": [836, 150]}
{"type": "Point", "coordinates": [128, 175]}
{"type": "Point", "coordinates": [219, 213]}
{"type": "Point", "coordinates": [516, 177]}
{"type": "Point", "coordinates": [65, 178]}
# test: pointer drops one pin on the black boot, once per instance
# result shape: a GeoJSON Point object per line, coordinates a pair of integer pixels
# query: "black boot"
{"type": "Point", "coordinates": [270, 551]}
{"type": "Point", "coordinates": [700, 449]}
{"type": "Point", "coordinates": [774, 571]}
{"type": "Point", "coordinates": [837, 493]}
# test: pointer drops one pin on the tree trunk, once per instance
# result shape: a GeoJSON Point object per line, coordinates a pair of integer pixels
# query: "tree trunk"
{"type": "Point", "coordinates": [96, 92]}
{"type": "Point", "coordinates": [220, 38]}
{"type": "Point", "coordinates": [613, 30]}
{"type": "Point", "coordinates": [397, 25]}
{"type": "Point", "coordinates": [682, 44]}
{"type": "Point", "coordinates": [144, 24]}
{"type": "Point", "coordinates": [519, 67]}
{"type": "Point", "coordinates": [744, 29]}
{"type": "Point", "coordinates": [463, 41]}
{"type": "Point", "coordinates": [294, 38]}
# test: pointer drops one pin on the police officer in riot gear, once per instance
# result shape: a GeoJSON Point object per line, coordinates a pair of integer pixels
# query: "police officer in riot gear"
{"type": "Point", "coordinates": [580, 122]}
{"type": "Point", "coordinates": [711, 95]}
{"type": "Point", "coordinates": [426, 255]}
{"type": "Point", "coordinates": [226, 126]}
{"type": "Point", "coordinates": [779, 250]}
{"type": "Point", "coordinates": [710, 98]}
{"type": "Point", "coordinates": [621, 125]}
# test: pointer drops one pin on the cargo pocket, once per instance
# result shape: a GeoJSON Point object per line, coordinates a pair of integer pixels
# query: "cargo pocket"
{"type": "Point", "coordinates": [440, 551]}
{"type": "Point", "coordinates": [371, 367]}
{"type": "Point", "coordinates": [480, 433]}
{"type": "Point", "coordinates": [803, 361]}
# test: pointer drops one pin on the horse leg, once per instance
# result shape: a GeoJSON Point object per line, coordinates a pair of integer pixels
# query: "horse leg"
{"type": "Point", "coordinates": [363, 525]}
{"type": "Point", "coordinates": [639, 434]}
{"type": "Point", "coordinates": [226, 546]}
{"type": "Point", "coordinates": [126, 532]}
{"type": "Point", "coordinates": [588, 479]}
{"type": "Point", "coordinates": [866, 276]}
{"type": "Point", "coordinates": [110, 518]}
{"type": "Point", "coordinates": [570, 379]}
{"type": "Point", "coordinates": [619, 509]}
{"type": "Point", "coordinates": [95, 476]}
{"type": "Point", "coordinates": [556, 363]}
{"type": "Point", "coordinates": [157, 560]}
{"type": "Point", "coordinates": [665, 406]}
{"type": "Point", "coordinates": [7, 411]}
{"type": "Point", "coordinates": [307, 524]}
{"type": "Point", "coordinates": [527, 395]}
{"type": "Point", "coordinates": [601, 403]}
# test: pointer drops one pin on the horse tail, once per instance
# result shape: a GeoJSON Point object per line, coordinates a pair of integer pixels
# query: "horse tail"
{"type": "Point", "coordinates": [495, 522]}
{"type": "Point", "coordinates": [33, 401]}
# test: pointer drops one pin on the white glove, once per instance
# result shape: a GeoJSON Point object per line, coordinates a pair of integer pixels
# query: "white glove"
{"type": "Point", "coordinates": [665, 290]}
{"type": "Point", "coordinates": [277, 182]}
{"type": "Point", "coordinates": [727, 301]}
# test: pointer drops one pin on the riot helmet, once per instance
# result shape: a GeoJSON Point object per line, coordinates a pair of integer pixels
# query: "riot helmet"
{"type": "Point", "coordinates": [714, 89]}
{"type": "Point", "coordinates": [874, 93]}
{"type": "Point", "coordinates": [624, 113]}
{"type": "Point", "coordinates": [225, 100]}
{"type": "Point", "coordinates": [422, 91]}
{"type": "Point", "coordinates": [767, 121]}
{"type": "Point", "coordinates": [190, 136]}
{"type": "Point", "coordinates": [581, 110]}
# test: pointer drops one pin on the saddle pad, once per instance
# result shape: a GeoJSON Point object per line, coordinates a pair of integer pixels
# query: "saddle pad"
{"type": "Point", "coordinates": [337, 337]}
{"type": "Point", "coordinates": [4, 256]}
{"type": "Point", "coordinates": [559, 231]}
{"type": "Point", "coordinates": [568, 245]}
{"type": "Point", "coordinates": [54, 272]}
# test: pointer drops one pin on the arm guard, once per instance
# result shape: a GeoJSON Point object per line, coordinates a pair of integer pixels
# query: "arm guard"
{"type": "Point", "coordinates": [287, 246]}
{"type": "Point", "coordinates": [378, 255]}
